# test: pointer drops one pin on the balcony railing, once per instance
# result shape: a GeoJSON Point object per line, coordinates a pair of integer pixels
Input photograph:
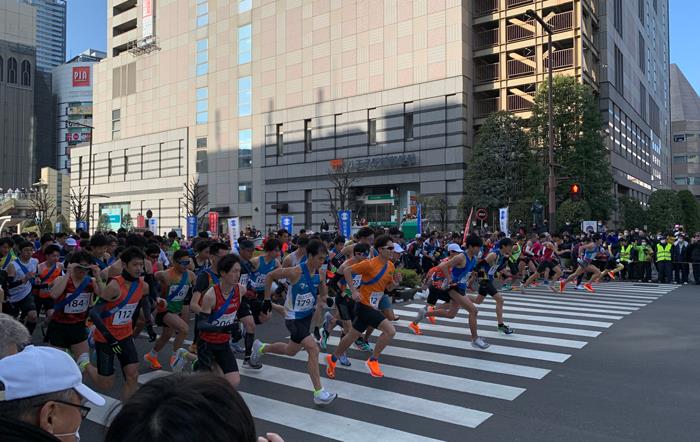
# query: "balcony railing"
{"type": "Point", "coordinates": [483, 7]}
{"type": "Point", "coordinates": [487, 72]}
{"type": "Point", "coordinates": [516, 32]}
{"type": "Point", "coordinates": [516, 103]}
{"type": "Point", "coordinates": [563, 21]}
{"type": "Point", "coordinates": [486, 106]}
{"type": "Point", "coordinates": [563, 58]}
{"type": "Point", "coordinates": [516, 3]}
{"type": "Point", "coordinates": [486, 39]}
{"type": "Point", "coordinates": [517, 68]}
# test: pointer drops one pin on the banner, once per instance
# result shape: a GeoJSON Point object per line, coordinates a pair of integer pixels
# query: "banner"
{"type": "Point", "coordinates": [467, 226]}
{"type": "Point", "coordinates": [214, 223]}
{"type": "Point", "coordinates": [503, 218]}
{"type": "Point", "coordinates": [287, 223]}
{"type": "Point", "coordinates": [589, 226]}
{"type": "Point", "coordinates": [81, 76]}
{"type": "Point", "coordinates": [419, 220]}
{"type": "Point", "coordinates": [147, 18]}
{"type": "Point", "coordinates": [153, 225]}
{"type": "Point", "coordinates": [81, 225]}
{"type": "Point", "coordinates": [345, 221]}
{"type": "Point", "coordinates": [234, 231]}
{"type": "Point", "coordinates": [140, 222]}
{"type": "Point", "coordinates": [191, 226]}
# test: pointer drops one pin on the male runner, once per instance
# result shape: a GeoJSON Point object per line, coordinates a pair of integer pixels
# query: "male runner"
{"type": "Point", "coordinates": [587, 252]}
{"type": "Point", "coordinates": [22, 273]}
{"type": "Point", "coordinates": [299, 255]}
{"type": "Point", "coordinates": [48, 271]}
{"type": "Point", "coordinates": [307, 288]}
{"type": "Point", "coordinates": [548, 262]}
{"type": "Point", "coordinates": [488, 268]}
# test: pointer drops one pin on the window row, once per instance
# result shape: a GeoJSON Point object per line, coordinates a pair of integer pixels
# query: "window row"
{"type": "Point", "coordinates": [24, 76]}
{"type": "Point", "coordinates": [245, 151]}
{"type": "Point", "coordinates": [687, 180]}
{"type": "Point", "coordinates": [244, 50]}
{"type": "Point", "coordinates": [245, 100]}
{"type": "Point", "coordinates": [686, 159]}
{"type": "Point", "coordinates": [203, 10]}
{"type": "Point", "coordinates": [680, 138]}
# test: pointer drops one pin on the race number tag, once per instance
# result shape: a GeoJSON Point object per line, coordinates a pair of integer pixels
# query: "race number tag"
{"type": "Point", "coordinates": [174, 295]}
{"type": "Point", "coordinates": [123, 316]}
{"type": "Point", "coordinates": [225, 320]}
{"type": "Point", "coordinates": [244, 279]}
{"type": "Point", "coordinates": [304, 302]}
{"type": "Point", "coordinates": [79, 304]}
{"type": "Point", "coordinates": [260, 282]}
{"type": "Point", "coordinates": [374, 299]}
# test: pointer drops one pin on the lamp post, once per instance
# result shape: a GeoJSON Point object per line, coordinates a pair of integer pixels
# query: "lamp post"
{"type": "Point", "coordinates": [552, 202]}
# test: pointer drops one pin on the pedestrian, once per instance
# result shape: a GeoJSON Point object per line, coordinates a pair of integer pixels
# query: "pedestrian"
{"type": "Point", "coordinates": [680, 257]}
{"type": "Point", "coordinates": [13, 335]}
{"type": "Point", "coordinates": [663, 260]}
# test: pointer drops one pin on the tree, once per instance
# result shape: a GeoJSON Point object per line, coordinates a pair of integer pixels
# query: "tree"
{"type": "Point", "coordinates": [664, 210]}
{"type": "Point", "coordinates": [127, 222]}
{"type": "Point", "coordinates": [502, 169]}
{"type": "Point", "coordinates": [573, 212]}
{"type": "Point", "coordinates": [579, 149]}
{"type": "Point", "coordinates": [690, 209]}
{"type": "Point", "coordinates": [44, 208]}
{"type": "Point", "coordinates": [196, 198]}
{"type": "Point", "coordinates": [339, 194]}
{"type": "Point", "coordinates": [435, 208]}
{"type": "Point", "coordinates": [632, 215]}
{"type": "Point", "coordinates": [103, 224]}
{"type": "Point", "coordinates": [78, 203]}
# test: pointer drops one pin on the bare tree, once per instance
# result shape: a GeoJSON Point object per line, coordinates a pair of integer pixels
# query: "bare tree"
{"type": "Point", "coordinates": [44, 208]}
{"type": "Point", "coordinates": [435, 208]}
{"type": "Point", "coordinates": [342, 179]}
{"type": "Point", "coordinates": [78, 203]}
{"type": "Point", "coordinates": [196, 199]}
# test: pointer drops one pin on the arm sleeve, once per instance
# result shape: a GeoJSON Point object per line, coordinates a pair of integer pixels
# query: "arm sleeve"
{"type": "Point", "coordinates": [203, 325]}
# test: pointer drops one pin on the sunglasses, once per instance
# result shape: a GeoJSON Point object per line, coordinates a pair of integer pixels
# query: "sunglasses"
{"type": "Point", "coordinates": [184, 263]}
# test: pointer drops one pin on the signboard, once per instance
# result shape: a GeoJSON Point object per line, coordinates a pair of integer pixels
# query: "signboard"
{"type": "Point", "coordinates": [234, 231]}
{"type": "Point", "coordinates": [81, 76]}
{"type": "Point", "coordinates": [481, 214]}
{"type": "Point", "coordinates": [390, 162]}
{"type": "Point", "coordinates": [287, 223]}
{"type": "Point", "coordinates": [79, 108]}
{"type": "Point", "coordinates": [345, 221]}
{"type": "Point", "coordinates": [140, 222]}
{"type": "Point", "coordinates": [81, 225]}
{"type": "Point", "coordinates": [589, 226]}
{"type": "Point", "coordinates": [77, 135]}
{"type": "Point", "coordinates": [191, 226]}
{"type": "Point", "coordinates": [114, 218]}
{"type": "Point", "coordinates": [419, 221]}
{"type": "Point", "coordinates": [503, 219]}
{"type": "Point", "coordinates": [147, 18]}
{"type": "Point", "coordinates": [214, 223]}
{"type": "Point", "coordinates": [153, 225]}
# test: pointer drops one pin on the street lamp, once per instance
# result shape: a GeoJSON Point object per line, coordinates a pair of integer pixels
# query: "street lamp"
{"type": "Point", "coordinates": [552, 202]}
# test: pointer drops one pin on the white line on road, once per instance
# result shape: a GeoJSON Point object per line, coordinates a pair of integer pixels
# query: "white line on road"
{"type": "Point", "coordinates": [554, 299]}
{"type": "Point", "coordinates": [537, 304]}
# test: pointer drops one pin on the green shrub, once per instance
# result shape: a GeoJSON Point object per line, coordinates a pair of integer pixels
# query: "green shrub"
{"type": "Point", "coordinates": [409, 278]}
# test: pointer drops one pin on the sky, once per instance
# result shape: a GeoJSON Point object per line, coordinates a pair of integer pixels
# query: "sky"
{"type": "Point", "coordinates": [87, 22]}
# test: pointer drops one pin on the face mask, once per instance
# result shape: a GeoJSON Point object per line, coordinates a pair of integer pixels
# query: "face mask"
{"type": "Point", "coordinates": [663, 241]}
{"type": "Point", "coordinates": [76, 434]}
{"type": "Point", "coordinates": [644, 243]}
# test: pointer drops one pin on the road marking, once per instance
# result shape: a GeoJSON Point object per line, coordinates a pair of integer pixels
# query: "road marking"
{"type": "Point", "coordinates": [508, 308]}
{"type": "Point", "coordinates": [604, 294]}
{"type": "Point", "coordinates": [101, 414]}
{"type": "Point", "coordinates": [517, 337]}
{"type": "Point", "coordinates": [560, 307]}
{"type": "Point", "coordinates": [438, 411]}
{"type": "Point", "coordinates": [554, 299]}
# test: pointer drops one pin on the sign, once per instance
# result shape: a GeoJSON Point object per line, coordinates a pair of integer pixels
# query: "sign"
{"type": "Point", "coordinates": [140, 222]}
{"type": "Point", "coordinates": [114, 218]}
{"type": "Point", "coordinates": [79, 108]}
{"type": "Point", "coordinates": [58, 228]}
{"type": "Point", "coordinates": [147, 16]}
{"type": "Point", "coordinates": [77, 135]}
{"type": "Point", "coordinates": [503, 219]}
{"type": "Point", "coordinates": [81, 225]}
{"type": "Point", "coordinates": [345, 221]}
{"type": "Point", "coordinates": [419, 221]}
{"type": "Point", "coordinates": [153, 225]}
{"type": "Point", "coordinates": [589, 226]}
{"type": "Point", "coordinates": [191, 226]}
{"type": "Point", "coordinates": [390, 162]}
{"type": "Point", "coordinates": [81, 76]}
{"type": "Point", "coordinates": [337, 164]}
{"type": "Point", "coordinates": [287, 223]}
{"type": "Point", "coordinates": [467, 226]}
{"type": "Point", "coordinates": [234, 231]}
{"type": "Point", "coordinates": [481, 214]}
{"type": "Point", "coordinates": [214, 223]}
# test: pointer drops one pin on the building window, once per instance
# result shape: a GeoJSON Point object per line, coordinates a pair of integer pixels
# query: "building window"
{"type": "Point", "coordinates": [643, 100]}
{"type": "Point", "coordinates": [245, 148]}
{"type": "Point", "coordinates": [202, 143]}
{"type": "Point", "coordinates": [202, 56]}
{"type": "Point", "coordinates": [680, 159]}
{"type": "Point", "coordinates": [619, 71]}
{"type": "Point", "coordinates": [308, 209]}
{"type": "Point", "coordinates": [245, 96]}
{"type": "Point", "coordinates": [12, 70]}
{"type": "Point", "coordinates": [617, 16]}
{"type": "Point", "coordinates": [2, 67]}
{"type": "Point", "coordinates": [202, 13]}
{"type": "Point", "coordinates": [408, 126]}
{"type": "Point", "coordinates": [245, 192]}
{"type": "Point", "coordinates": [201, 164]}
{"type": "Point", "coordinates": [640, 7]}
{"type": "Point", "coordinates": [642, 53]}
{"type": "Point", "coordinates": [245, 45]}
{"type": "Point", "coordinates": [244, 5]}
{"type": "Point", "coordinates": [109, 167]}
{"type": "Point", "coordinates": [681, 180]}
{"type": "Point", "coordinates": [308, 136]}
{"type": "Point", "coordinates": [202, 105]}
{"type": "Point", "coordinates": [679, 138]}
{"type": "Point", "coordinates": [126, 164]}
{"type": "Point", "coordinates": [371, 131]}
{"type": "Point", "coordinates": [26, 73]}
{"type": "Point", "coordinates": [116, 124]}
{"type": "Point", "coordinates": [279, 137]}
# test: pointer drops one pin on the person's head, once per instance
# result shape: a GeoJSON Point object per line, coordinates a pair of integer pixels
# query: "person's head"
{"type": "Point", "coordinates": [454, 250]}
{"type": "Point", "coordinates": [596, 238]}
{"type": "Point", "coordinates": [384, 246]}
{"type": "Point", "coordinates": [82, 261]}
{"type": "Point", "coordinates": [70, 244]}
{"type": "Point", "coordinates": [181, 260]}
{"type": "Point", "coordinates": [112, 244]}
{"type": "Point", "coordinates": [283, 235]}
{"type": "Point", "coordinates": [98, 245]}
{"type": "Point", "coordinates": [506, 246]}
{"type": "Point", "coordinates": [316, 253]}
{"type": "Point", "coordinates": [229, 267]}
{"type": "Point", "coordinates": [419, 238]}
{"type": "Point", "coordinates": [474, 243]}
{"type": "Point", "coordinates": [246, 248]}
{"type": "Point", "coordinates": [13, 335]}
{"type": "Point", "coordinates": [217, 251]}
{"type": "Point", "coordinates": [272, 248]}
{"type": "Point", "coordinates": [133, 258]}
{"type": "Point", "coordinates": [46, 240]}
{"type": "Point", "coordinates": [172, 236]}
{"type": "Point", "coordinates": [152, 252]}
{"type": "Point", "coordinates": [43, 387]}
{"type": "Point", "coordinates": [164, 409]}
{"type": "Point", "coordinates": [202, 249]}
{"type": "Point", "coordinates": [365, 235]}
{"type": "Point", "coordinates": [302, 243]}
{"type": "Point", "coordinates": [61, 237]}
{"type": "Point", "coordinates": [662, 239]}
{"type": "Point", "coordinates": [52, 253]}
{"type": "Point", "coordinates": [25, 249]}
{"type": "Point", "coordinates": [360, 251]}
{"type": "Point", "coordinates": [338, 242]}
{"type": "Point", "coordinates": [6, 245]}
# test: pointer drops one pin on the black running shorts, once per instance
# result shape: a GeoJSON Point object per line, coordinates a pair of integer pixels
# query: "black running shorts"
{"type": "Point", "coordinates": [435, 294]}
{"type": "Point", "coordinates": [487, 288]}
{"type": "Point", "coordinates": [366, 316]}
{"type": "Point", "coordinates": [299, 328]}
{"type": "Point", "coordinates": [105, 356]}
{"type": "Point", "coordinates": [346, 307]}
{"type": "Point", "coordinates": [208, 354]}
{"type": "Point", "coordinates": [64, 335]}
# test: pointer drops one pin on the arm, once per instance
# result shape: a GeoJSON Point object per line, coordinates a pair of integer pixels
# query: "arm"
{"type": "Point", "coordinates": [59, 286]}
{"type": "Point", "coordinates": [111, 292]}
{"type": "Point", "coordinates": [200, 287]}
{"type": "Point", "coordinates": [290, 273]}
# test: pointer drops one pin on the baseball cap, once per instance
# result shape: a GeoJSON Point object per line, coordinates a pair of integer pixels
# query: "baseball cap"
{"type": "Point", "coordinates": [454, 248]}
{"type": "Point", "coordinates": [418, 235]}
{"type": "Point", "coordinates": [397, 248]}
{"type": "Point", "coordinates": [41, 370]}
{"type": "Point", "coordinates": [71, 242]}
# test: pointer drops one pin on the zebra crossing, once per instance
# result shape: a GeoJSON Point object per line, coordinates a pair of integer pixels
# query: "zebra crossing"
{"type": "Point", "coordinates": [436, 386]}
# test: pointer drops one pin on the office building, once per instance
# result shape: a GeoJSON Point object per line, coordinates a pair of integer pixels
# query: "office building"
{"type": "Point", "coordinates": [17, 75]}
{"type": "Point", "coordinates": [50, 33]}
{"type": "Point", "coordinates": [685, 133]}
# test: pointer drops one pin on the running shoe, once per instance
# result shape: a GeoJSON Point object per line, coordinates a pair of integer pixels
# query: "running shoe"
{"type": "Point", "coordinates": [193, 348]}
{"type": "Point", "coordinates": [420, 315]}
{"type": "Point", "coordinates": [152, 361]}
{"type": "Point", "coordinates": [178, 360]}
{"type": "Point", "coordinates": [580, 287]}
{"type": "Point", "coordinates": [363, 345]}
{"type": "Point", "coordinates": [431, 318]}
{"type": "Point", "coordinates": [374, 369]}
{"type": "Point", "coordinates": [249, 364]}
{"type": "Point", "coordinates": [589, 287]}
{"type": "Point", "coordinates": [523, 290]}
{"type": "Point", "coordinates": [611, 275]}
{"type": "Point", "coordinates": [480, 343]}
{"type": "Point", "coordinates": [237, 348]}
{"type": "Point", "coordinates": [505, 329]}
{"type": "Point", "coordinates": [415, 328]}
{"type": "Point", "coordinates": [344, 361]}
{"type": "Point", "coordinates": [552, 288]}
{"type": "Point", "coordinates": [562, 286]}
{"type": "Point", "coordinates": [324, 339]}
{"type": "Point", "coordinates": [324, 397]}
{"type": "Point", "coordinates": [257, 353]}
{"type": "Point", "coordinates": [330, 367]}
{"type": "Point", "coordinates": [545, 282]}
{"type": "Point", "coordinates": [507, 287]}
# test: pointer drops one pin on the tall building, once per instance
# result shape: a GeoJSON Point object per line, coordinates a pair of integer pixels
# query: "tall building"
{"type": "Point", "coordinates": [17, 84]}
{"type": "Point", "coordinates": [50, 33]}
{"type": "Point", "coordinates": [685, 130]}
{"type": "Point", "coordinates": [72, 89]}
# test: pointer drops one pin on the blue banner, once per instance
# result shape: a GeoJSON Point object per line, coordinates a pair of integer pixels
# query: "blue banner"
{"type": "Point", "coordinates": [191, 226]}
{"type": "Point", "coordinates": [345, 221]}
{"type": "Point", "coordinates": [287, 223]}
{"type": "Point", "coordinates": [81, 225]}
{"type": "Point", "coordinates": [419, 221]}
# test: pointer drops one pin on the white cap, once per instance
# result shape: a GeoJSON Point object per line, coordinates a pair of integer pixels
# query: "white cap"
{"type": "Point", "coordinates": [418, 235]}
{"type": "Point", "coordinates": [454, 248]}
{"type": "Point", "coordinates": [41, 370]}
{"type": "Point", "coordinates": [397, 248]}
{"type": "Point", "coordinates": [71, 242]}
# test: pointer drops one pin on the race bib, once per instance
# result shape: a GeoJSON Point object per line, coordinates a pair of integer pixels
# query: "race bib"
{"type": "Point", "coordinates": [374, 299]}
{"type": "Point", "coordinates": [260, 282]}
{"type": "Point", "coordinates": [225, 320]}
{"type": "Point", "coordinates": [357, 280]}
{"type": "Point", "coordinates": [123, 316]}
{"type": "Point", "coordinates": [174, 295]}
{"type": "Point", "coordinates": [303, 302]}
{"type": "Point", "coordinates": [79, 304]}
{"type": "Point", "coordinates": [244, 279]}
{"type": "Point", "coordinates": [465, 278]}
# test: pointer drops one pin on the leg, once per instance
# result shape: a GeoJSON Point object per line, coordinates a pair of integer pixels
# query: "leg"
{"type": "Point", "coordinates": [131, 380]}
{"type": "Point", "coordinates": [388, 332]}
{"type": "Point", "coordinates": [311, 348]}
{"type": "Point", "coordinates": [467, 304]}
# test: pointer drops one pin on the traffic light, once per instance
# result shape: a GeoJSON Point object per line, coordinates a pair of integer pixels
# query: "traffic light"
{"type": "Point", "coordinates": [575, 192]}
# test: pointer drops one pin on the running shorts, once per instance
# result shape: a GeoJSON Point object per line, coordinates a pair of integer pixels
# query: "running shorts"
{"type": "Point", "coordinates": [208, 353]}
{"type": "Point", "coordinates": [346, 307]}
{"type": "Point", "coordinates": [487, 288]}
{"type": "Point", "coordinates": [65, 335]}
{"type": "Point", "coordinates": [435, 294]}
{"type": "Point", "coordinates": [44, 304]}
{"type": "Point", "coordinates": [22, 307]}
{"type": "Point", "coordinates": [544, 265]}
{"type": "Point", "coordinates": [299, 328]}
{"type": "Point", "coordinates": [385, 302]}
{"type": "Point", "coordinates": [366, 316]}
{"type": "Point", "coordinates": [105, 356]}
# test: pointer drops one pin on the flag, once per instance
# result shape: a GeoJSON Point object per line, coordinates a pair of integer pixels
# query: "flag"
{"type": "Point", "coordinates": [467, 225]}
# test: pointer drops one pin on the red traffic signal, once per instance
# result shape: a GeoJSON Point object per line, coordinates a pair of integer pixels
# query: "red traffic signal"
{"type": "Point", "coordinates": [575, 192]}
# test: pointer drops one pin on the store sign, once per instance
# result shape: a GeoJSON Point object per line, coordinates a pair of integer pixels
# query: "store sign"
{"type": "Point", "coordinates": [79, 108]}
{"type": "Point", "coordinates": [390, 162]}
{"type": "Point", "coordinates": [81, 76]}
{"type": "Point", "coordinates": [147, 16]}
{"type": "Point", "coordinates": [77, 135]}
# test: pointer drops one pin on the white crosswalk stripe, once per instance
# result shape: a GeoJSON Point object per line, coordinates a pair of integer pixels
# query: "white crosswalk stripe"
{"type": "Point", "coordinates": [549, 328]}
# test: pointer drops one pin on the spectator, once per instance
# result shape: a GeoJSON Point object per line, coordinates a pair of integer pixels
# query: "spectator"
{"type": "Point", "coordinates": [694, 256]}
{"type": "Point", "coordinates": [14, 336]}
{"type": "Point", "coordinates": [680, 257]}
{"type": "Point", "coordinates": [42, 395]}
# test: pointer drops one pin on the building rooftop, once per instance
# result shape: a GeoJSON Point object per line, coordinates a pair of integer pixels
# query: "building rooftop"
{"type": "Point", "coordinates": [685, 102]}
{"type": "Point", "coordinates": [88, 55]}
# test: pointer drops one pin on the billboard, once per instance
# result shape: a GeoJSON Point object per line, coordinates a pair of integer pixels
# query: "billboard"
{"type": "Point", "coordinates": [79, 109]}
{"type": "Point", "coordinates": [77, 135]}
{"type": "Point", "coordinates": [81, 76]}
{"type": "Point", "coordinates": [147, 18]}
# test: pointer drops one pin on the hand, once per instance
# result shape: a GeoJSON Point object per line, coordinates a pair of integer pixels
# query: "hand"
{"type": "Point", "coordinates": [95, 270]}
{"type": "Point", "coordinates": [398, 277]}
{"type": "Point", "coordinates": [270, 437]}
{"type": "Point", "coordinates": [355, 296]}
{"type": "Point", "coordinates": [29, 276]}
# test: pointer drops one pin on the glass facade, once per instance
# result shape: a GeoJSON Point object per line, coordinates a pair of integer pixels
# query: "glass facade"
{"type": "Point", "coordinates": [202, 56]}
{"type": "Point", "coordinates": [202, 105]}
{"type": "Point", "coordinates": [245, 44]}
{"type": "Point", "coordinates": [245, 96]}
{"type": "Point", "coordinates": [245, 148]}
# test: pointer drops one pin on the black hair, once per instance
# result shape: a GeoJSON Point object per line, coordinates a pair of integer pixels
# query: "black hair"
{"type": "Point", "coordinates": [246, 244]}
{"type": "Point", "coordinates": [119, 250]}
{"type": "Point", "coordinates": [172, 234]}
{"type": "Point", "coordinates": [303, 242]}
{"type": "Point", "coordinates": [202, 246]}
{"type": "Point", "coordinates": [216, 247]}
{"type": "Point", "coordinates": [226, 263]}
{"type": "Point", "coordinates": [61, 235]}
{"type": "Point", "coordinates": [281, 232]}
{"type": "Point", "coordinates": [394, 231]}
{"type": "Point", "coordinates": [505, 242]}
{"type": "Point", "coordinates": [53, 248]}
{"type": "Point", "coordinates": [272, 244]}
{"type": "Point", "coordinates": [164, 410]}
{"type": "Point", "coordinates": [7, 241]}
{"type": "Point", "coordinates": [134, 240]}
{"type": "Point", "coordinates": [80, 256]}
{"type": "Point", "coordinates": [131, 254]}
{"type": "Point", "coordinates": [112, 238]}
{"type": "Point", "coordinates": [340, 239]}
{"type": "Point", "coordinates": [84, 235]}
{"type": "Point", "coordinates": [474, 241]}
{"type": "Point", "coordinates": [595, 237]}
{"type": "Point", "coordinates": [98, 240]}
{"type": "Point", "coordinates": [315, 247]}
{"type": "Point", "coordinates": [365, 232]}
{"type": "Point", "coordinates": [302, 232]}
{"type": "Point", "coordinates": [84, 243]}
{"type": "Point", "coordinates": [180, 253]}
{"type": "Point", "coordinates": [152, 249]}
{"type": "Point", "coordinates": [501, 235]}
{"type": "Point", "coordinates": [24, 243]}
{"type": "Point", "coordinates": [148, 234]}
{"type": "Point", "coordinates": [203, 235]}
{"type": "Point", "coordinates": [46, 237]}
{"type": "Point", "coordinates": [381, 241]}
{"type": "Point", "coordinates": [360, 248]}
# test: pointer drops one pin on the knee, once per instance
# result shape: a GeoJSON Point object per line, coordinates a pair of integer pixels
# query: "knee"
{"type": "Point", "coordinates": [291, 351]}
{"type": "Point", "coordinates": [390, 332]}
{"type": "Point", "coordinates": [313, 353]}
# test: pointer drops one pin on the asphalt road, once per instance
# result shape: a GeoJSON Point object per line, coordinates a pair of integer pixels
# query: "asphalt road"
{"type": "Point", "coordinates": [620, 364]}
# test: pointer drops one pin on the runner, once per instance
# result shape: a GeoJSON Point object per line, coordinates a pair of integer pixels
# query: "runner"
{"type": "Point", "coordinates": [299, 255]}
{"type": "Point", "coordinates": [587, 252]}
{"type": "Point", "coordinates": [307, 288]}
{"type": "Point", "coordinates": [220, 305]}
{"type": "Point", "coordinates": [378, 274]}
{"type": "Point", "coordinates": [21, 273]}
{"type": "Point", "coordinates": [489, 268]}
{"type": "Point", "coordinates": [48, 271]}
{"type": "Point", "coordinates": [176, 283]}
{"type": "Point", "coordinates": [252, 303]}
{"type": "Point", "coordinates": [548, 262]}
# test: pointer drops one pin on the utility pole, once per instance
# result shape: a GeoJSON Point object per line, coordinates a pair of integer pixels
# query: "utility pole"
{"type": "Point", "coordinates": [552, 202]}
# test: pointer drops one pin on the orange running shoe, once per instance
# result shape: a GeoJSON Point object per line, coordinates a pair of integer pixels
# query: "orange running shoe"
{"type": "Point", "coordinates": [415, 328]}
{"type": "Point", "coordinates": [330, 367]}
{"type": "Point", "coordinates": [374, 368]}
{"type": "Point", "coordinates": [589, 287]}
{"type": "Point", "coordinates": [562, 286]}
{"type": "Point", "coordinates": [152, 361]}
{"type": "Point", "coordinates": [431, 318]}
{"type": "Point", "coordinates": [611, 275]}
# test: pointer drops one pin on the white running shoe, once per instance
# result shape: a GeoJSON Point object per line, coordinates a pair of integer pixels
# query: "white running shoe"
{"type": "Point", "coordinates": [324, 397]}
{"type": "Point", "coordinates": [480, 343]}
